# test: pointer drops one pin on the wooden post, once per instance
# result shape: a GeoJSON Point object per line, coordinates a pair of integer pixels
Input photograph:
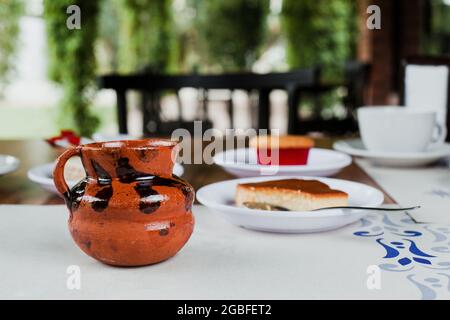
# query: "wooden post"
{"type": "Point", "coordinates": [263, 109]}
{"type": "Point", "coordinates": [293, 101]}
{"type": "Point", "coordinates": [122, 111]}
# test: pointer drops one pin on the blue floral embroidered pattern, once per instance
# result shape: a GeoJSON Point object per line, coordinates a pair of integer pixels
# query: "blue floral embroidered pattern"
{"type": "Point", "coordinates": [403, 254]}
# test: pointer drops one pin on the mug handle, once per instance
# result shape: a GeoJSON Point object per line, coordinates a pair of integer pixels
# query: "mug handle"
{"type": "Point", "coordinates": [58, 172]}
{"type": "Point", "coordinates": [441, 135]}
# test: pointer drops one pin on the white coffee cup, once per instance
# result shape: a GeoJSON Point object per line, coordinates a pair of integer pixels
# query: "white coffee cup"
{"type": "Point", "coordinates": [399, 129]}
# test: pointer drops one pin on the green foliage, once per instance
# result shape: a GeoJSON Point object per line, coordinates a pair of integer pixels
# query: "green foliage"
{"type": "Point", "coordinates": [435, 41]}
{"type": "Point", "coordinates": [10, 13]}
{"type": "Point", "coordinates": [231, 32]}
{"type": "Point", "coordinates": [147, 35]}
{"type": "Point", "coordinates": [72, 61]}
{"type": "Point", "coordinates": [108, 42]}
{"type": "Point", "coordinates": [319, 32]}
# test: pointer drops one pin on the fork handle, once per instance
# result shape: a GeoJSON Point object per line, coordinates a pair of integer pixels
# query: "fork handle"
{"type": "Point", "coordinates": [369, 208]}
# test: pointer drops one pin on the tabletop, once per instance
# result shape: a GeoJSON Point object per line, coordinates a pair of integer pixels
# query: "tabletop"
{"type": "Point", "coordinates": [16, 188]}
{"type": "Point", "coordinates": [383, 256]}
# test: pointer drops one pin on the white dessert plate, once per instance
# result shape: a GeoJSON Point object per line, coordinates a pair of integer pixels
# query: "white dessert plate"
{"type": "Point", "coordinates": [219, 197]}
{"type": "Point", "coordinates": [8, 164]}
{"type": "Point", "coordinates": [355, 147]}
{"type": "Point", "coordinates": [99, 137]}
{"type": "Point", "coordinates": [43, 175]}
{"type": "Point", "coordinates": [243, 163]}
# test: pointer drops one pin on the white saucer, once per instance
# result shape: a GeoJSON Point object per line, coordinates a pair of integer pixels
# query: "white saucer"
{"type": "Point", "coordinates": [8, 164]}
{"type": "Point", "coordinates": [43, 175]}
{"type": "Point", "coordinates": [355, 147]}
{"type": "Point", "coordinates": [243, 163]}
{"type": "Point", "coordinates": [219, 197]}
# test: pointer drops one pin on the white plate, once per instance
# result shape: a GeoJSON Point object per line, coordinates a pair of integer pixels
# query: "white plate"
{"type": "Point", "coordinates": [355, 147]}
{"type": "Point", "coordinates": [8, 164]}
{"type": "Point", "coordinates": [243, 163]}
{"type": "Point", "coordinates": [99, 137]}
{"type": "Point", "coordinates": [220, 198]}
{"type": "Point", "coordinates": [43, 175]}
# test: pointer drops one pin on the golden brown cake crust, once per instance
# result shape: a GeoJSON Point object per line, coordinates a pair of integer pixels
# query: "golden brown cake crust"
{"type": "Point", "coordinates": [286, 141]}
{"type": "Point", "coordinates": [312, 187]}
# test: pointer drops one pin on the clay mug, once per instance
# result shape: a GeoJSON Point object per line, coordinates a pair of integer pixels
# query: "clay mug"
{"type": "Point", "coordinates": [130, 210]}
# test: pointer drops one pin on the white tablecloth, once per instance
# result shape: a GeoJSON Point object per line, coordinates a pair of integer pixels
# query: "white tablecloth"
{"type": "Point", "coordinates": [222, 261]}
{"type": "Point", "coordinates": [428, 187]}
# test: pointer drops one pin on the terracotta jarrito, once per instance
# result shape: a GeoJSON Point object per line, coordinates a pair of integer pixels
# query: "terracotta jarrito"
{"type": "Point", "coordinates": [130, 210]}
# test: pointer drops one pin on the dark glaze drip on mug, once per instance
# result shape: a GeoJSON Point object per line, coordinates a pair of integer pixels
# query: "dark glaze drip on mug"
{"type": "Point", "coordinates": [145, 190]}
{"type": "Point", "coordinates": [102, 198]}
{"type": "Point", "coordinates": [164, 232]}
{"type": "Point", "coordinates": [74, 196]}
{"type": "Point", "coordinates": [146, 203]}
{"type": "Point", "coordinates": [187, 191]}
{"type": "Point", "coordinates": [126, 173]}
{"type": "Point", "coordinates": [102, 174]}
{"type": "Point", "coordinates": [176, 182]}
{"type": "Point", "coordinates": [147, 155]}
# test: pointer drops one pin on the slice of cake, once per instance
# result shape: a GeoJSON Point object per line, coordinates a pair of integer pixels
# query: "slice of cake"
{"type": "Point", "coordinates": [292, 194]}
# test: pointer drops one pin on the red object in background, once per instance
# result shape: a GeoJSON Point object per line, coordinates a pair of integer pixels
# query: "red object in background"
{"type": "Point", "coordinates": [67, 135]}
{"type": "Point", "coordinates": [286, 156]}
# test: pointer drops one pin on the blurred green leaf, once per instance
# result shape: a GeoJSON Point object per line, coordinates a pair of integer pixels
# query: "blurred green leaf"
{"type": "Point", "coordinates": [72, 61]}
{"type": "Point", "coordinates": [231, 32]}
{"type": "Point", "coordinates": [10, 13]}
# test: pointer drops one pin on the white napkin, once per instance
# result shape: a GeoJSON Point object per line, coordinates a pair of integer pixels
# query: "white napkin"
{"type": "Point", "coordinates": [426, 87]}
